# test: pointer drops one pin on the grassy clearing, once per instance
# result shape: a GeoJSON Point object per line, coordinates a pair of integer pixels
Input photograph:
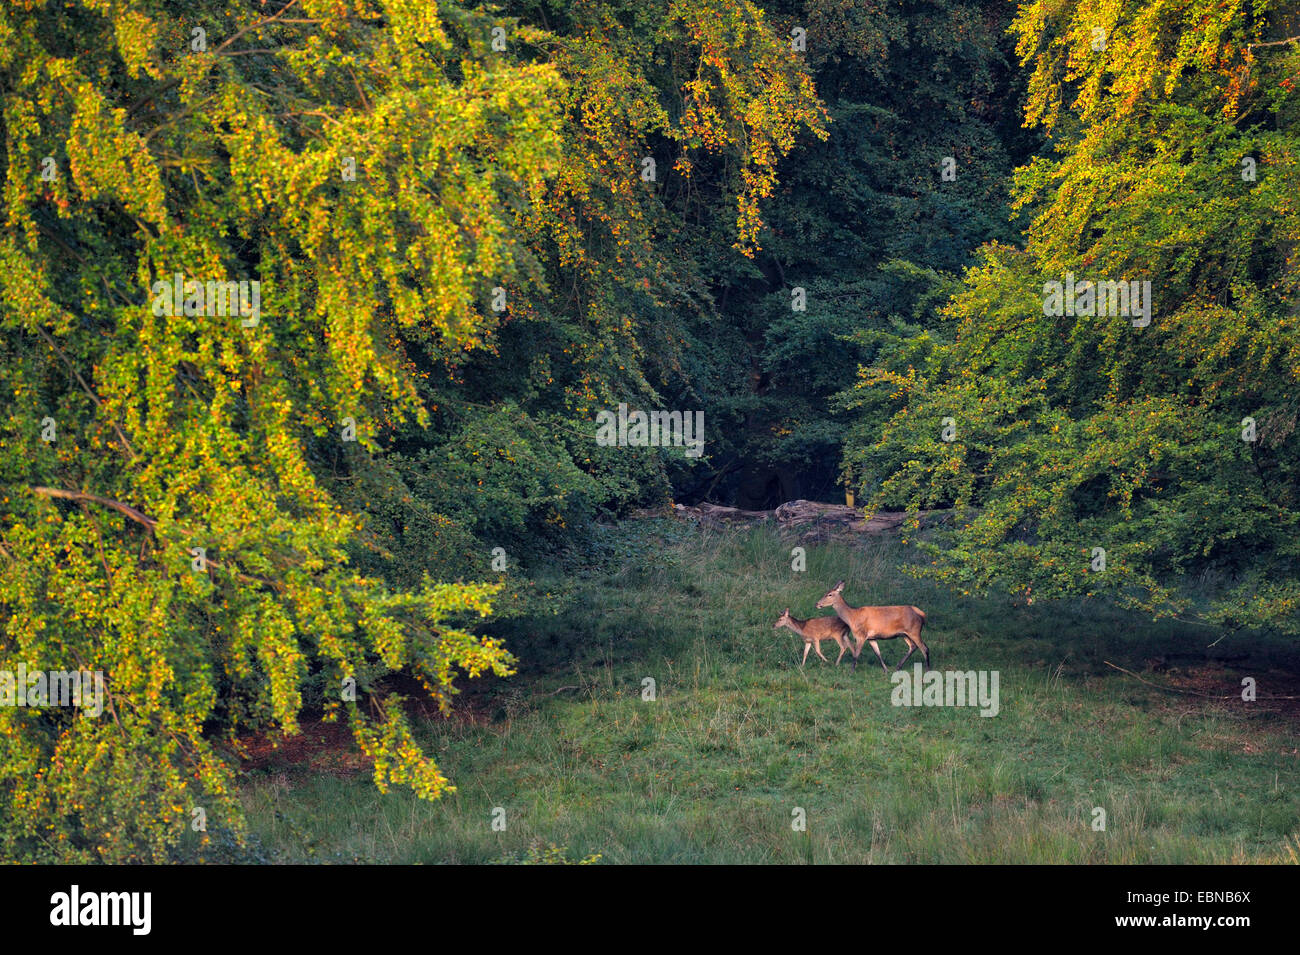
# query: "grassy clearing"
{"type": "Point", "coordinates": [739, 737]}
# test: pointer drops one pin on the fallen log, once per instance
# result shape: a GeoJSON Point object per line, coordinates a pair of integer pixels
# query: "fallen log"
{"type": "Point", "coordinates": [806, 519]}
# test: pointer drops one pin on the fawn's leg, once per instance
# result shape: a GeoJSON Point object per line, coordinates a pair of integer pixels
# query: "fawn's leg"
{"type": "Point", "coordinates": [806, 647]}
{"type": "Point", "coordinates": [844, 647]}
{"type": "Point", "coordinates": [818, 645]}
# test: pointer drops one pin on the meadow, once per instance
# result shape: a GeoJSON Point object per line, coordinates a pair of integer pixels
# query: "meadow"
{"type": "Point", "coordinates": [739, 742]}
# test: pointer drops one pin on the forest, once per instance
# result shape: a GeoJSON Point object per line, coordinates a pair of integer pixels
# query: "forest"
{"type": "Point", "coordinates": [366, 366]}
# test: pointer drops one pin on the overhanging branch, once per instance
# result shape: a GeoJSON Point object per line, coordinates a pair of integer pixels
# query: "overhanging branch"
{"type": "Point", "coordinates": [140, 517]}
{"type": "Point", "coordinates": [136, 515]}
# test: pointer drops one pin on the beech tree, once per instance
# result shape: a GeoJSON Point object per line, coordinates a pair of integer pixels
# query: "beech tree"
{"type": "Point", "coordinates": [1089, 446]}
{"type": "Point", "coordinates": [265, 270]}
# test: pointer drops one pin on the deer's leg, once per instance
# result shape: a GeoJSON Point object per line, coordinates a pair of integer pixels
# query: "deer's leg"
{"type": "Point", "coordinates": [818, 645]}
{"type": "Point", "coordinates": [806, 647]}
{"type": "Point", "coordinates": [911, 648]}
{"type": "Point", "coordinates": [844, 648]}
{"type": "Point", "coordinates": [925, 651]}
{"type": "Point", "coordinates": [857, 648]}
{"type": "Point", "coordinates": [876, 647]}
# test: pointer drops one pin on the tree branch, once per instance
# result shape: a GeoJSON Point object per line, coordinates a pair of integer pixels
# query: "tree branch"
{"type": "Point", "coordinates": [255, 26]}
{"type": "Point", "coordinates": [1290, 39]}
{"type": "Point", "coordinates": [121, 436]}
{"type": "Point", "coordinates": [142, 518]}
{"type": "Point", "coordinates": [138, 516]}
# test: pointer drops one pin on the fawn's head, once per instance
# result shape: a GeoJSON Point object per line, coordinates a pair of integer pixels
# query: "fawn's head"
{"type": "Point", "coordinates": [783, 620]}
{"type": "Point", "coordinates": [831, 594]}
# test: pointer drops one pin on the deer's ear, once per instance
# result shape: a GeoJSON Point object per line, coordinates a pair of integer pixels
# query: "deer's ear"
{"type": "Point", "coordinates": [785, 612]}
{"type": "Point", "coordinates": [839, 586]}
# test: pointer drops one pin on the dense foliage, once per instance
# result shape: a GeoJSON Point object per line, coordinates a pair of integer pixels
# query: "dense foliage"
{"type": "Point", "coordinates": [1093, 451]}
{"type": "Point", "coordinates": [457, 258]}
{"type": "Point", "coordinates": [867, 224]}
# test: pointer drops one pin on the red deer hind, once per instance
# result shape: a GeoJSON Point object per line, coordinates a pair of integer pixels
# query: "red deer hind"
{"type": "Point", "coordinates": [870, 624]}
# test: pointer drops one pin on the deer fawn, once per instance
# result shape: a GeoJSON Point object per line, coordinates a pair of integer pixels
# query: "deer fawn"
{"type": "Point", "coordinates": [870, 624]}
{"type": "Point", "coordinates": [814, 631]}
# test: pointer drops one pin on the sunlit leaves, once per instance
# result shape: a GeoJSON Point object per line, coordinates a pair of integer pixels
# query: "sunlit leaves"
{"type": "Point", "coordinates": [1084, 431]}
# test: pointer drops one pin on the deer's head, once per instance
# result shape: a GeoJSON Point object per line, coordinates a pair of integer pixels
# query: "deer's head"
{"type": "Point", "coordinates": [829, 599]}
{"type": "Point", "coordinates": [783, 620]}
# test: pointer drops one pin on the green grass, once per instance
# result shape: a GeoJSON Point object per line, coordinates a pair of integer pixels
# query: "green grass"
{"type": "Point", "coordinates": [739, 736]}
